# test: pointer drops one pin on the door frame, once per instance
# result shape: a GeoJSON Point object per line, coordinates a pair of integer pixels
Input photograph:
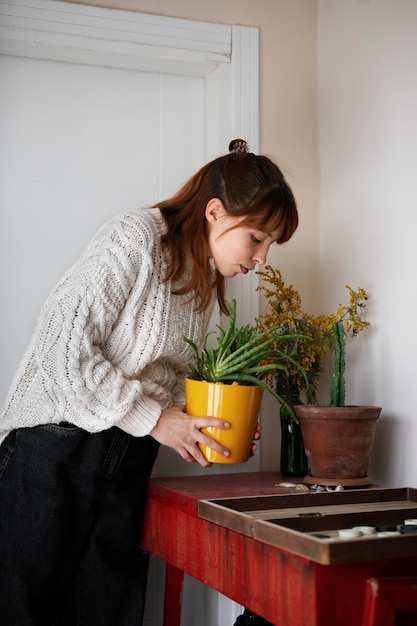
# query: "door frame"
{"type": "Point", "coordinates": [225, 55]}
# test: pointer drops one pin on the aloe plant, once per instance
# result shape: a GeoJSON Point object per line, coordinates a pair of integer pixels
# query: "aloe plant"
{"type": "Point", "coordinates": [244, 355]}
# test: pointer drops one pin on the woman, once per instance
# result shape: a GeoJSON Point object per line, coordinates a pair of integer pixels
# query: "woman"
{"type": "Point", "coordinates": [101, 387]}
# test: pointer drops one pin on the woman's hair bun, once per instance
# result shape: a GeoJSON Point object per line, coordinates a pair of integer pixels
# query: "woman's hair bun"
{"type": "Point", "coordinates": [238, 146]}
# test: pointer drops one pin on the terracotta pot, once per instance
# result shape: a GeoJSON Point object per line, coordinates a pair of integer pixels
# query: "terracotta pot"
{"type": "Point", "coordinates": [338, 443]}
{"type": "Point", "coordinates": [237, 404]}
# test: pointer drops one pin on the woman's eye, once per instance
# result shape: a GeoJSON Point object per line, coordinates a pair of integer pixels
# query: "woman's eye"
{"type": "Point", "coordinates": [256, 240]}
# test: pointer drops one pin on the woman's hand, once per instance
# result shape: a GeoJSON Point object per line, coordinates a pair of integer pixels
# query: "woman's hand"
{"type": "Point", "coordinates": [256, 437]}
{"type": "Point", "coordinates": [180, 431]}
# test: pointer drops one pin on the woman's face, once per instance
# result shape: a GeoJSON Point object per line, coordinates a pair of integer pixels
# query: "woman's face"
{"type": "Point", "coordinates": [235, 249]}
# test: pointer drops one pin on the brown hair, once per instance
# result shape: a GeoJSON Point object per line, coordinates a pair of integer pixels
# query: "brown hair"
{"type": "Point", "coordinates": [248, 185]}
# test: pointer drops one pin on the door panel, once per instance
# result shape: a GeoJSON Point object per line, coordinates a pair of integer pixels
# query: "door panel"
{"type": "Point", "coordinates": [79, 144]}
{"type": "Point", "coordinates": [102, 111]}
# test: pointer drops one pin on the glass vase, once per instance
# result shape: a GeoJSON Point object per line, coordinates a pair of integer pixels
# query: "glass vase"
{"type": "Point", "coordinates": [293, 460]}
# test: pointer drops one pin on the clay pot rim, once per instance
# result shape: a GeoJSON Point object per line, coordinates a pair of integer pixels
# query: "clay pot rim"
{"type": "Point", "coordinates": [352, 411]}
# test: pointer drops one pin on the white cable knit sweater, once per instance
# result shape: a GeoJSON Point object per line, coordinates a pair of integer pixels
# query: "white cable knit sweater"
{"type": "Point", "coordinates": [108, 347]}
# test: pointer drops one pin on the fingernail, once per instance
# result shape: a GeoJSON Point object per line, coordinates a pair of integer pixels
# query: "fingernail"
{"type": "Point", "coordinates": [226, 453]}
{"type": "Point", "coordinates": [226, 424]}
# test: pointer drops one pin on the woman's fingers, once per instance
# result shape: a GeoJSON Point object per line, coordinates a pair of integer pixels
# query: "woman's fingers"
{"type": "Point", "coordinates": [182, 432]}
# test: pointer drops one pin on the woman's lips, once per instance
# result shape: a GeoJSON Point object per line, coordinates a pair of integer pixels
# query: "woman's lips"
{"type": "Point", "coordinates": [244, 269]}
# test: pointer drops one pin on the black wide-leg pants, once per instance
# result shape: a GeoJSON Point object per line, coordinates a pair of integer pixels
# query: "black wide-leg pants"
{"type": "Point", "coordinates": [71, 512]}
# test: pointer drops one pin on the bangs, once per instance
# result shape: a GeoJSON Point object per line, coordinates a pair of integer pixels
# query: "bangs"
{"type": "Point", "coordinates": [274, 210]}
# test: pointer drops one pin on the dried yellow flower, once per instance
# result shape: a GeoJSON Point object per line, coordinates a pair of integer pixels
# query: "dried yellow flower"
{"type": "Point", "coordinates": [286, 311]}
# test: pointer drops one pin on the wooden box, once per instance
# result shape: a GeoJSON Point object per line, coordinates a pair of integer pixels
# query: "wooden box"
{"type": "Point", "coordinates": [308, 524]}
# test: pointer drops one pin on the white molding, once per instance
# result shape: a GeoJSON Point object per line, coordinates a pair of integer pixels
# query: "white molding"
{"type": "Point", "coordinates": [76, 33]}
{"type": "Point", "coordinates": [245, 124]}
{"type": "Point", "coordinates": [245, 84]}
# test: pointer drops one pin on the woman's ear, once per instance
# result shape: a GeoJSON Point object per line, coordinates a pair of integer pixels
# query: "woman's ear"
{"type": "Point", "coordinates": [214, 210]}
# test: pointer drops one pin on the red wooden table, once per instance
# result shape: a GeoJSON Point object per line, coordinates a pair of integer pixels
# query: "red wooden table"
{"type": "Point", "coordinates": [278, 585]}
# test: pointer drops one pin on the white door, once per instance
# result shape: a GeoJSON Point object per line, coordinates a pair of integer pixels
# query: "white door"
{"type": "Point", "coordinates": [102, 111]}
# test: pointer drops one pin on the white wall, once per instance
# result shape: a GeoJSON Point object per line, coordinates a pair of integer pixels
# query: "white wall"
{"type": "Point", "coordinates": [367, 86]}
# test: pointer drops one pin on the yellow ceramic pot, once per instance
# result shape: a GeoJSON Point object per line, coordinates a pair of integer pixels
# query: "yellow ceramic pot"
{"type": "Point", "coordinates": [237, 404]}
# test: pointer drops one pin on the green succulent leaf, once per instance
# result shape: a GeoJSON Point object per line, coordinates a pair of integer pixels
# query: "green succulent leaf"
{"type": "Point", "coordinates": [244, 355]}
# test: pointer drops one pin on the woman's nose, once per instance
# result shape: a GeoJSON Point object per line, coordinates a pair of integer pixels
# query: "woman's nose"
{"type": "Point", "coordinates": [259, 257]}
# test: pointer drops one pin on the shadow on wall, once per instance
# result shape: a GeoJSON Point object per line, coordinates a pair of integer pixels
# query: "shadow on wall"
{"type": "Point", "coordinates": [387, 435]}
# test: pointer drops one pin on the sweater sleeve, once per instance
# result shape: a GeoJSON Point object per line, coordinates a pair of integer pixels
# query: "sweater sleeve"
{"type": "Point", "coordinates": [77, 321]}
